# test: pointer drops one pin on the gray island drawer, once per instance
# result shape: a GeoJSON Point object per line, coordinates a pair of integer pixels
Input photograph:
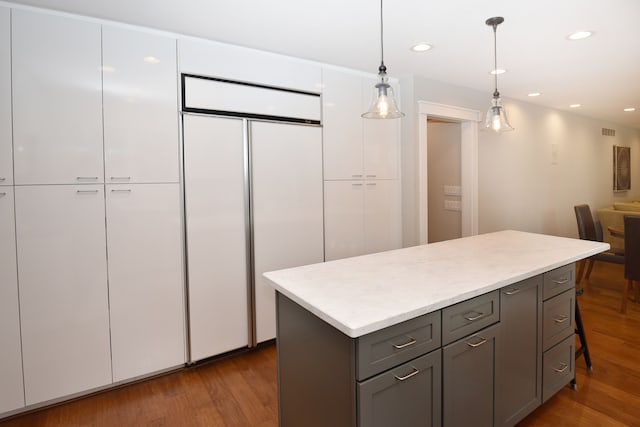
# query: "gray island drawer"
{"type": "Point", "coordinates": [558, 367]}
{"type": "Point", "coordinates": [558, 319]}
{"type": "Point", "coordinates": [381, 350]}
{"type": "Point", "coordinates": [470, 316]}
{"type": "Point", "coordinates": [559, 280]}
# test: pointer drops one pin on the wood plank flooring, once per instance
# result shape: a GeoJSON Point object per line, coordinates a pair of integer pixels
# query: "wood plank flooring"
{"type": "Point", "coordinates": [241, 390]}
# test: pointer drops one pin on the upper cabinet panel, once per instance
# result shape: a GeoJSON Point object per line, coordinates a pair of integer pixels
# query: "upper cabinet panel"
{"type": "Point", "coordinates": [6, 160]}
{"type": "Point", "coordinates": [140, 107]}
{"type": "Point", "coordinates": [248, 65]}
{"type": "Point", "coordinates": [57, 99]}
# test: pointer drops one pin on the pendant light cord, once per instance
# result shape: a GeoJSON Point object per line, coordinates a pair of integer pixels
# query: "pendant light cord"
{"type": "Point", "coordinates": [382, 66]}
{"type": "Point", "coordinates": [495, 61]}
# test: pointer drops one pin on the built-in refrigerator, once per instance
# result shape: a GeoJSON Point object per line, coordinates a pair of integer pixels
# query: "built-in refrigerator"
{"type": "Point", "coordinates": [253, 203]}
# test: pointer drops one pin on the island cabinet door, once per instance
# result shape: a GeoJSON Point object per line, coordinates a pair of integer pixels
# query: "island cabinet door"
{"type": "Point", "coordinates": [468, 374]}
{"type": "Point", "coordinates": [519, 382]}
{"type": "Point", "coordinates": [407, 396]}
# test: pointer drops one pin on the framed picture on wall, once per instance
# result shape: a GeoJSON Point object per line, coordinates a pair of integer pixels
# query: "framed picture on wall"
{"type": "Point", "coordinates": [621, 168]}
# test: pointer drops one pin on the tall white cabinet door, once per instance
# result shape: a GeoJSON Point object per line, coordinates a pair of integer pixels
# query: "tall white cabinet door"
{"type": "Point", "coordinates": [381, 143]}
{"type": "Point", "coordinates": [6, 156]}
{"type": "Point", "coordinates": [11, 383]}
{"type": "Point", "coordinates": [145, 278]}
{"type": "Point", "coordinates": [63, 289]}
{"type": "Point", "coordinates": [287, 207]}
{"type": "Point", "coordinates": [140, 106]}
{"type": "Point", "coordinates": [216, 226]}
{"type": "Point", "coordinates": [57, 99]}
{"type": "Point", "coordinates": [343, 219]}
{"type": "Point", "coordinates": [382, 216]}
{"type": "Point", "coordinates": [342, 125]}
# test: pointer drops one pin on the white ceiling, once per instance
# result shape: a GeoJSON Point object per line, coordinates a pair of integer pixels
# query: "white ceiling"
{"type": "Point", "coordinates": [602, 73]}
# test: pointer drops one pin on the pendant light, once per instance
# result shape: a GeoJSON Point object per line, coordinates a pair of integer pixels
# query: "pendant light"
{"type": "Point", "coordinates": [384, 104]}
{"type": "Point", "coordinates": [496, 115]}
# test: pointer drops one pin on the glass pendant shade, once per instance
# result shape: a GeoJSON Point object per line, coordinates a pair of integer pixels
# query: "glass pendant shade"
{"type": "Point", "coordinates": [383, 105]}
{"type": "Point", "coordinates": [497, 119]}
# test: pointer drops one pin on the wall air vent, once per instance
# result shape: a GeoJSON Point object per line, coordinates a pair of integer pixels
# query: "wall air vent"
{"type": "Point", "coordinates": [608, 132]}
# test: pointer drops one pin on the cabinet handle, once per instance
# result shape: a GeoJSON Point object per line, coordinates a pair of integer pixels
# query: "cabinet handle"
{"type": "Point", "coordinates": [115, 178]}
{"type": "Point", "coordinates": [3, 194]}
{"type": "Point", "coordinates": [357, 184]}
{"type": "Point", "coordinates": [561, 319]}
{"type": "Point", "coordinates": [561, 281]}
{"type": "Point", "coordinates": [371, 183]}
{"type": "Point", "coordinates": [86, 178]}
{"type": "Point", "coordinates": [356, 176]}
{"type": "Point", "coordinates": [563, 368]}
{"type": "Point", "coordinates": [125, 190]}
{"type": "Point", "coordinates": [409, 375]}
{"type": "Point", "coordinates": [371, 176]}
{"type": "Point", "coordinates": [87, 191]}
{"type": "Point", "coordinates": [470, 316]}
{"type": "Point", "coordinates": [512, 292]}
{"type": "Point", "coordinates": [411, 341]}
{"type": "Point", "coordinates": [477, 344]}
{"type": "Point", "coordinates": [2, 178]}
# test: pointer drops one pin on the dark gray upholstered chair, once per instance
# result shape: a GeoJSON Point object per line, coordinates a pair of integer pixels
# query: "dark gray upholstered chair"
{"type": "Point", "coordinates": [632, 256]}
{"type": "Point", "coordinates": [590, 230]}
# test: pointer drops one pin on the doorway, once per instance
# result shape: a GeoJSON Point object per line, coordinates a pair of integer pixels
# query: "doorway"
{"type": "Point", "coordinates": [468, 121]}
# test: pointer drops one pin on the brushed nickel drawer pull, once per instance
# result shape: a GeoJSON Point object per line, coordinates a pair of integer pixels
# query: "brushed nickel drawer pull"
{"type": "Point", "coordinates": [86, 178]}
{"type": "Point", "coordinates": [355, 184]}
{"type": "Point", "coordinates": [561, 281]}
{"type": "Point", "coordinates": [470, 317]}
{"type": "Point", "coordinates": [87, 191]}
{"type": "Point", "coordinates": [409, 375]}
{"type": "Point", "coordinates": [512, 292]}
{"type": "Point", "coordinates": [477, 344]}
{"type": "Point", "coordinates": [563, 368]}
{"type": "Point", "coordinates": [411, 341]}
{"type": "Point", "coordinates": [371, 176]}
{"type": "Point", "coordinates": [560, 319]}
{"type": "Point", "coordinates": [120, 177]}
{"type": "Point", "coordinates": [356, 176]}
{"type": "Point", "coordinates": [126, 190]}
{"type": "Point", "coordinates": [3, 194]}
{"type": "Point", "coordinates": [371, 183]}
{"type": "Point", "coordinates": [2, 178]}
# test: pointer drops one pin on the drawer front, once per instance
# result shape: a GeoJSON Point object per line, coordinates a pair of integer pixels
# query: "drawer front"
{"type": "Point", "coordinates": [558, 367]}
{"type": "Point", "coordinates": [470, 316]}
{"type": "Point", "coordinates": [558, 318]}
{"type": "Point", "coordinates": [559, 280]}
{"type": "Point", "coordinates": [389, 347]}
{"type": "Point", "coordinates": [407, 396]}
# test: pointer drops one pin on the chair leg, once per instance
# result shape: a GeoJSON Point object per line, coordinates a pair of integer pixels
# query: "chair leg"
{"type": "Point", "coordinates": [581, 264]}
{"type": "Point", "coordinates": [625, 295]}
{"type": "Point", "coordinates": [591, 262]}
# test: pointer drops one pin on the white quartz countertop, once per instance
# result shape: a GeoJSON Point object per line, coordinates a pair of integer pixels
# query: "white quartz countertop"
{"type": "Point", "coordinates": [367, 293]}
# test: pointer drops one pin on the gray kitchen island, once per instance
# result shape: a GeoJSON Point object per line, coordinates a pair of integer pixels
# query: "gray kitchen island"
{"type": "Point", "coordinates": [473, 331]}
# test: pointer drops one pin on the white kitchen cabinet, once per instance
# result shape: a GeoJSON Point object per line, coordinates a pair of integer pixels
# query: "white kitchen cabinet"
{"type": "Point", "coordinates": [63, 289]}
{"type": "Point", "coordinates": [356, 148]}
{"type": "Point", "coordinates": [6, 156]}
{"type": "Point", "coordinates": [11, 382]}
{"type": "Point", "coordinates": [287, 207]}
{"type": "Point", "coordinates": [140, 106]}
{"type": "Point", "coordinates": [146, 290]}
{"type": "Point", "coordinates": [57, 99]}
{"type": "Point", "coordinates": [382, 216]}
{"type": "Point", "coordinates": [216, 224]}
{"type": "Point", "coordinates": [361, 217]}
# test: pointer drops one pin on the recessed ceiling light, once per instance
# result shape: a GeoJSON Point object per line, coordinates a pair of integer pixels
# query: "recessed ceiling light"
{"type": "Point", "coordinates": [498, 71]}
{"type": "Point", "coordinates": [575, 106]}
{"type": "Point", "coordinates": [534, 94]}
{"type": "Point", "coordinates": [630, 109]}
{"type": "Point", "coordinates": [421, 47]}
{"type": "Point", "coordinates": [151, 59]}
{"type": "Point", "coordinates": [579, 35]}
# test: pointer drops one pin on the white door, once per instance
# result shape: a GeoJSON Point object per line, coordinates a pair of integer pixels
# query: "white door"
{"type": "Point", "coordinates": [57, 99]}
{"type": "Point", "coordinates": [343, 219]}
{"type": "Point", "coordinates": [382, 216]}
{"type": "Point", "coordinates": [217, 233]}
{"type": "Point", "coordinates": [63, 289]}
{"type": "Point", "coordinates": [144, 242]}
{"type": "Point", "coordinates": [6, 162]}
{"type": "Point", "coordinates": [11, 385]}
{"type": "Point", "coordinates": [287, 207]}
{"type": "Point", "coordinates": [342, 124]}
{"type": "Point", "coordinates": [140, 106]}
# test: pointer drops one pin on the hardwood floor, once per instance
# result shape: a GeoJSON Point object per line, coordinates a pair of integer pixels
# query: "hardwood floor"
{"type": "Point", "coordinates": [241, 390]}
